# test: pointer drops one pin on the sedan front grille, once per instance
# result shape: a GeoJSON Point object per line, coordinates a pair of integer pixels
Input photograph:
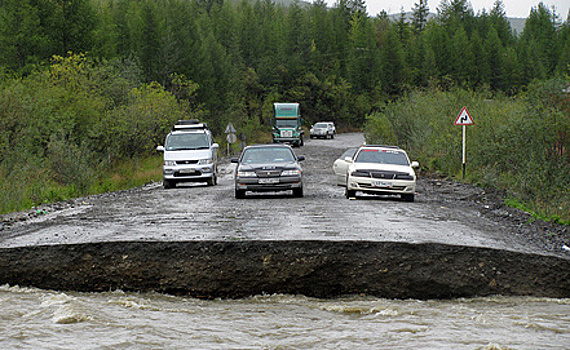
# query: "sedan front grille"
{"type": "Point", "coordinates": [268, 173]}
{"type": "Point", "coordinates": [384, 175]}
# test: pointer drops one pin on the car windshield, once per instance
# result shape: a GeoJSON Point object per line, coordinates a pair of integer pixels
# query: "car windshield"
{"type": "Point", "coordinates": [267, 155]}
{"type": "Point", "coordinates": [187, 141]}
{"type": "Point", "coordinates": [321, 125]}
{"type": "Point", "coordinates": [286, 123]}
{"type": "Point", "coordinates": [381, 157]}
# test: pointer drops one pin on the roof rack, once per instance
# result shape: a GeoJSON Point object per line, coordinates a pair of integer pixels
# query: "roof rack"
{"type": "Point", "coordinates": [191, 124]}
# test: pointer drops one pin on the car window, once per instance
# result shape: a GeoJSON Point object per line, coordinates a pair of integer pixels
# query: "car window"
{"type": "Point", "coordinates": [321, 125]}
{"type": "Point", "coordinates": [267, 155]}
{"type": "Point", "coordinates": [348, 153]}
{"type": "Point", "coordinates": [381, 157]}
{"type": "Point", "coordinates": [187, 141]}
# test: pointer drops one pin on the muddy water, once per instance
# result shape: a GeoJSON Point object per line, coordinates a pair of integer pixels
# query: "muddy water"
{"type": "Point", "coordinates": [40, 319]}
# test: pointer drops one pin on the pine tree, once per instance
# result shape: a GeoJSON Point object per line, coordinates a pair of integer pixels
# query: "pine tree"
{"type": "Point", "coordinates": [420, 16]}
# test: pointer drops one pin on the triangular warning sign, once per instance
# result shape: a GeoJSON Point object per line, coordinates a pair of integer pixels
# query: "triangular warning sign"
{"type": "Point", "coordinates": [464, 118]}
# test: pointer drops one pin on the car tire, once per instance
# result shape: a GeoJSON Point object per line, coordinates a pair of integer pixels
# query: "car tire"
{"type": "Point", "coordinates": [168, 184]}
{"type": "Point", "coordinates": [298, 192]}
{"type": "Point", "coordinates": [213, 181]}
{"type": "Point", "coordinates": [407, 197]}
{"type": "Point", "coordinates": [332, 136]}
{"type": "Point", "coordinates": [240, 194]}
{"type": "Point", "coordinates": [349, 193]}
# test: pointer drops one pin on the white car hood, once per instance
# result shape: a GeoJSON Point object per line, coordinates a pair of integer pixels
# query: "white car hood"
{"type": "Point", "coordinates": [188, 154]}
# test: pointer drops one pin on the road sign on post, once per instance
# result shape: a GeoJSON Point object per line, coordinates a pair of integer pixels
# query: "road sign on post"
{"type": "Point", "coordinates": [464, 119]}
{"type": "Point", "coordinates": [231, 137]}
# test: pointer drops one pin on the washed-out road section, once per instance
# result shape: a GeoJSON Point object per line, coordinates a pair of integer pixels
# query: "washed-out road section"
{"type": "Point", "coordinates": [201, 241]}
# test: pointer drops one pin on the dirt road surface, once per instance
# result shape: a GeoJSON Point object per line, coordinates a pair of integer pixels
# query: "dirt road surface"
{"type": "Point", "coordinates": [454, 240]}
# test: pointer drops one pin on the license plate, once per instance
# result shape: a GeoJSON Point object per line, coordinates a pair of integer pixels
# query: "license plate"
{"type": "Point", "coordinates": [269, 181]}
{"type": "Point", "coordinates": [286, 133]}
{"type": "Point", "coordinates": [187, 171]}
{"type": "Point", "coordinates": [382, 184]}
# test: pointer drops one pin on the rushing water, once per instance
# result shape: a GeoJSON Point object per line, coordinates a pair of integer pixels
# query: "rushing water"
{"type": "Point", "coordinates": [41, 319]}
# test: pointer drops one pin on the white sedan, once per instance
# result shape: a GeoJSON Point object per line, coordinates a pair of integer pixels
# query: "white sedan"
{"type": "Point", "coordinates": [381, 170]}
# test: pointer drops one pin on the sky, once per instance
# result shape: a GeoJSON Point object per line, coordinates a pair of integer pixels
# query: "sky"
{"type": "Point", "coordinates": [514, 8]}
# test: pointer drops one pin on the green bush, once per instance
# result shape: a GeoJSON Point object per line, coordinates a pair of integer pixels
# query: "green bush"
{"type": "Point", "coordinates": [70, 130]}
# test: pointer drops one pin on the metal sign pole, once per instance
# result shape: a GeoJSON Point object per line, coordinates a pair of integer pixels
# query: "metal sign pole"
{"type": "Point", "coordinates": [463, 152]}
{"type": "Point", "coordinates": [464, 119]}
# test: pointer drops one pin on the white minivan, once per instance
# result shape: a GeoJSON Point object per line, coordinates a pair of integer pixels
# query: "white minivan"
{"type": "Point", "coordinates": [190, 154]}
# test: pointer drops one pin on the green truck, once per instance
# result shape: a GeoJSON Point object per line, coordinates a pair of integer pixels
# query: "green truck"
{"type": "Point", "coordinates": [287, 124]}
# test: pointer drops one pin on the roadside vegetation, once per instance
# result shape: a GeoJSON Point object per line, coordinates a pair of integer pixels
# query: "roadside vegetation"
{"type": "Point", "coordinates": [516, 144]}
{"type": "Point", "coordinates": [89, 88]}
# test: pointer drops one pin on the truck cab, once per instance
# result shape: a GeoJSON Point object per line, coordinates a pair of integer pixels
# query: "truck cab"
{"type": "Point", "coordinates": [287, 124]}
{"type": "Point", "coordinates": [190, 154]}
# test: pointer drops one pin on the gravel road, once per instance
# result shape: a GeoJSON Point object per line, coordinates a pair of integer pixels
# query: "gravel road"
{"type": "Point", "coordinates": [444, 212]}
{"type": "Point", "coordinates": [455, 240]}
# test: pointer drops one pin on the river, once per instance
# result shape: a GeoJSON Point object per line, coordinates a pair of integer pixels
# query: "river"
{"type": "Point", "coordinates": [43, 319]}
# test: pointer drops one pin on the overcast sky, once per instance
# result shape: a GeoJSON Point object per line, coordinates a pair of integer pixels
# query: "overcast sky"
{"type": "Point", "coordinates": [514, 8]}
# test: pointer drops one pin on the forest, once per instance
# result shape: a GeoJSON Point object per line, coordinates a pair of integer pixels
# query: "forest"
{"type": "Point", "coordinates": [88, 88]}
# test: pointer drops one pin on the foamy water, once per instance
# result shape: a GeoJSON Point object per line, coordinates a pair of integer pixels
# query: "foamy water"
{"type": "Point", "coordinates": [40, 319]}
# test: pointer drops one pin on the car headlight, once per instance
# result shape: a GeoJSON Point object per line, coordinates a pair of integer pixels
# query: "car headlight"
{"type": "Point", "coordinates": [246, 174]}
{"type": "Point", "coordinates": [205, 161]}
{"type": "Point", "coordinates": [169, 163]}
{"type": "Point", "coordinates": [291, 172]}
{"type": "Point", "coordinates": [408, 177]}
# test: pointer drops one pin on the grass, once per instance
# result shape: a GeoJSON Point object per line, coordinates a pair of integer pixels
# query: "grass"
{"type": "Point", "coordinates": [38, 189]}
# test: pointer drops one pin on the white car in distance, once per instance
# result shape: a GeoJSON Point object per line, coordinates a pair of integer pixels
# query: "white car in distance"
{"type": "Point", "coordinates": [381, 170]}
{"type": "Point", "coordinates": [323, 129]}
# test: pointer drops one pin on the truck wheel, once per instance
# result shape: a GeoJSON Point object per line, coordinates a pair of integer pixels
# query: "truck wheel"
{"type": "Point", "coordinates": [301, 143]}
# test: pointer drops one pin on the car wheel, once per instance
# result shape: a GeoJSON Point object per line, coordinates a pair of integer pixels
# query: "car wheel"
{"type": "Point", "coordinates": [349, 193]}
{"type": "Point", "coordinates": [240, 194]}
{"type": "Point", "coordinates": [408, 197]}
{"type": "Point", "coordinates": [213, 181]}
{"type": "Point", "coordinates": [332, 136]}
{"type": "Point", "coordinates": [298, 192]}
{"type": "Point", "coordinates": [168, 184]}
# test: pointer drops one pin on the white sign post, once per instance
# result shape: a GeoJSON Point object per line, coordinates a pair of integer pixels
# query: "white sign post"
{"type": "Point", "coordinates": [464, 119]}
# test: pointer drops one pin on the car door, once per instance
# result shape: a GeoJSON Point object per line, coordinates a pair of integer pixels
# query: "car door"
{"type": "Point", "coordinates": [340, 166]}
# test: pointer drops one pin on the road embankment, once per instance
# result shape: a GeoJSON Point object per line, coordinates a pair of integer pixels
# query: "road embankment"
{"type": "Point", "coordinates": [234, 269]}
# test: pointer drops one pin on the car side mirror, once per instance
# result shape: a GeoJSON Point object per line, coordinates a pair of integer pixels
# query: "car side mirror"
{"type": "Point", "coordinates": [301, 158]}
{"type": "Point", "coordinates": [160, 148]}
{"type": "Point", "coordinates": [234, 160]}
{"type": "Point", "coordinates": [348, 159]}
{"type": "Point", "coordinates": [215, 145]}
{"type": "Point", "coordinates": [415, 164]}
